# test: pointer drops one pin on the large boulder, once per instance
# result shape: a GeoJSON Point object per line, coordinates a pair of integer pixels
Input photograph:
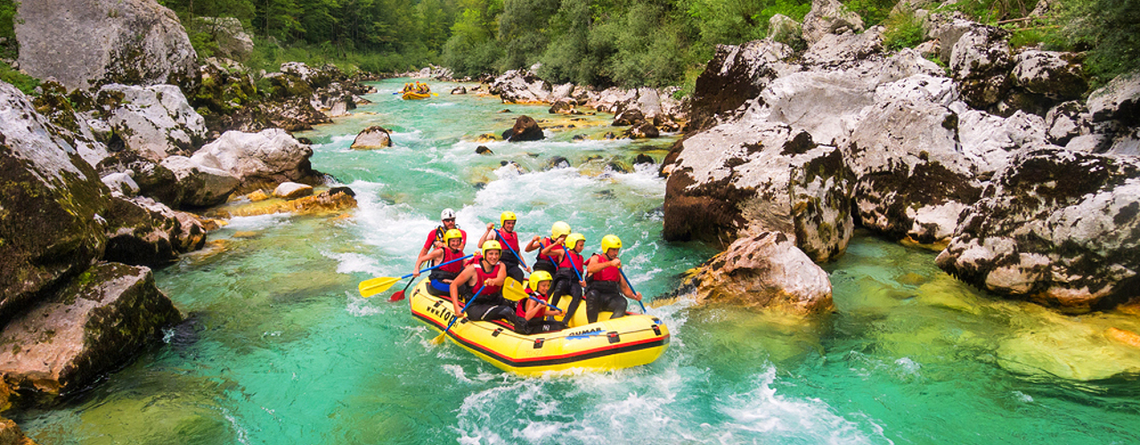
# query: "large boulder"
{"type": "Point", "coordinates": [154, 121]}
{"type": "Point", "coordinates": [786, 30]}
{"type": "Point", "coordinates": [1056, 227]}
{"type": "Point", "coordinates": [525, 129]}
{"type": "Point", "coordinates": [143, 232]}
{"type": "Point", "coordinates": [980, 62]}
{"type": "Point", "coordinates": [272, 156]}
{"type": "Point", "coordinates": [1054, 75]}
{"type": "Point", "coordinates": [50, 202]}
{"type": "Point", "coordinates": [233, 42]}
{"type": "Point", "coordinates": [521, 86]}
{"type": "Point", "coordinates": [743, 178]}
{"type": "Point", "coordinates": [371, 138]}
{"type": "Point", "coordinates": [913, 179]}
{"type": "Point", "coordinates": [839, 49]}
{"type": "Point", "coordinates": [85, 43]}
{"type": "Point", "coordinates": [1117, 101]}
{"type": "Point", "coordinates": [991, 141]}
{"type": "Point", "coordinates": [90, 327]}
{"type": "Point", "coordinates": [765, 270]}
{"type": "Point", "coordinates": [733, 76]}
{"type": "Point", "coordinates": [199, 185]}
{"type": "Point", "coordinates": [829, 17]}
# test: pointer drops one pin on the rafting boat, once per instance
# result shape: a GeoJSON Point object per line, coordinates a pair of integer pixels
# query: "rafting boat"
{"type": "Point", "coordinates": [413, 95]}
{"type": "Point", "coordinates": [629, 341]}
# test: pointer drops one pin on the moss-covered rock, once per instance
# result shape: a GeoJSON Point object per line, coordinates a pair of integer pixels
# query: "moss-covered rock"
{"type": "Point", "coordinates": [100, 319]}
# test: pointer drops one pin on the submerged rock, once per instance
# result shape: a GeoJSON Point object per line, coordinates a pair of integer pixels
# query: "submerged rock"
{"type": "Point", "coordinates": [94, 324]}
{"type": "Point", "coordinates": [371, 138]}
{"type": "Point", "coordinates": [766, 270]}
{"type": "Point", "coordinates": [85, 43]}
{"type": "Point", "coordinates": [1056, 227]}
{"type": "Point", "coordinates": [292, 190]}
{"type": "Point", "coordinates": [328, 201]}
{"type": "Point", "coordinates": [525, 129]}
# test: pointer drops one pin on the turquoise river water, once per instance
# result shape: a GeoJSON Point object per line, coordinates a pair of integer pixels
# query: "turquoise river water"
{"type": "Point", "coordinates": [280, 349]}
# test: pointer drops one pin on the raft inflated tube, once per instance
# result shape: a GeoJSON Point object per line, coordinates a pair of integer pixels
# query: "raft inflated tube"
{"type": "Point", "coordinates": [412, 95]}
{"type": "Point", "coordinates": [633, 340]}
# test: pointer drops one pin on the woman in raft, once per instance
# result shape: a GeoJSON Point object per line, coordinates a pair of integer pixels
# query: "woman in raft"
{"type": "Point", "coordinates": [543, 261]}
{"type": "Point", "coordinates": [485, 276]}
{"type": "Point", "coordinates": [533, 313]}
{"type": "Point", "coordinates": [568, 278]}
{"type": "Point", "coordinates": [442, 276]}
{"type": "Point", "coordinates": [605, 288]}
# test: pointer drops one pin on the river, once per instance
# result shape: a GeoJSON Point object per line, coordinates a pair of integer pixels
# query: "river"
{"type": "Point", "coordinates": [280, 349]}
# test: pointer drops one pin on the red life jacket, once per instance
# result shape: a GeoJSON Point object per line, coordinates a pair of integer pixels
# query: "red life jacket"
{"type": "Point", "coordinates": [572, 260]}
{"type": "Point", "coordinates": [482, 276]}
{"type": "Point", "coordinates": [449, 255]}
{"type": "Point", "coordinates": [542, 245]}
{"type": "Point", "coordinates": [520, 309]}
{"type": "Point", "coordinates": [512, 240]}
{"type": "Point", "coordinates": [610, 273]}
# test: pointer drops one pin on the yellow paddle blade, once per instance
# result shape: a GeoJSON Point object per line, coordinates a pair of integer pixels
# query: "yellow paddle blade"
{"type": "Point", "coordinates": [514, 290]}
{"type": "Point", "coordinates": [376, 285]}
{"type": "Point", "coordinates": [438, 340]}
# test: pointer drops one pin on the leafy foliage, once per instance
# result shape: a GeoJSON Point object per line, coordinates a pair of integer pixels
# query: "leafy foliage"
{"type": "Point", "coordinates": [1110, 29]}
{"type": "Point", "coordinates": [904, 30]}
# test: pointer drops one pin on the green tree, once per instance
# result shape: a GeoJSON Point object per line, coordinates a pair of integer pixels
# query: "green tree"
{"type": "Point", "coordinates": [1110, 29]}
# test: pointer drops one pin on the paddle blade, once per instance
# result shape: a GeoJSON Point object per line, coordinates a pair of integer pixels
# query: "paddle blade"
{"type": "Point", "coordinates": [514, 290]}
{"type": "Point", "coordinates": [397, 296]}
{"type": "Point", "coordinates": [438, 340]}
{"type": "Point", "coordinates": [374, 286]}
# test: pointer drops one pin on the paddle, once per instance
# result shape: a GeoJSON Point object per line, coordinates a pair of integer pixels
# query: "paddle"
{"type": "Point", "coordinates": [631, 289]}
{"type": "Point", "coordinates": [376, 285]}
{"type": "Point", "coordinates": [439, 340]}
{"type": "Point", "coordinates": [512, 249]}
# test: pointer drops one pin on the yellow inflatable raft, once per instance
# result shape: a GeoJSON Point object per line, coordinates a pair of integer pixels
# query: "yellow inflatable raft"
{"type": "Point", "coordinates": [633, 340]}
{"type": "Point", "coordinates": [412, 95]}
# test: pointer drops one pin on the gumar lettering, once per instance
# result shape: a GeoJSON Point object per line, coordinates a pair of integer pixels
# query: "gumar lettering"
{"type": "Point", "coordinates": [584, 334]}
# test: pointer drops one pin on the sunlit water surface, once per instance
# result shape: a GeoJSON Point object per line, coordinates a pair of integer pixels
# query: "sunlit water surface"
{"type": "Point", "coordinates": [280, 349]}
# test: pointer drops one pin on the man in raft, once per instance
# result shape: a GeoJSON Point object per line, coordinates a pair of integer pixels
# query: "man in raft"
{"type": "Point", "coordinates": [533, 313]}
{"type": "Point", "coordinates": [543, 261]}
{"type": "Point", "coordinates": [604, 284]}
{"type": "Point", "coordinates": [487, 274]}
{"type": "Point", "coordinates": [509, 259]}
{"type": "Point", "coordinates": [435, 238]}
{"type": "Point", "coordinates": [571, 266]}
{"type": "Point", "coordinates": [442, 276]}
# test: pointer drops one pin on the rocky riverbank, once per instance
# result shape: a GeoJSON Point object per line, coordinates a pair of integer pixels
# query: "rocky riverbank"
{"type": "Point", "coordinates": [102, 169]}
{"type": "Point", "coordinates": [1027, 190]}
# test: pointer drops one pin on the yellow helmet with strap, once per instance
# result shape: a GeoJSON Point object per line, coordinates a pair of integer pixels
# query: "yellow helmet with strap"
{"type": "Point", "coordinates": [491, 245]}
{"type": "Point", "coordinates": [572, 240]}
{"type": "Point", "coordinates": [507, 216]}
{"type": "Point", "coordinates": [539, 276]}
{"type": "Point", "coordinates": [452, 234]}
{"type": "Point", "coordinates": [610, 242]}
{"type": "Point", "coordinates": [558, 229]}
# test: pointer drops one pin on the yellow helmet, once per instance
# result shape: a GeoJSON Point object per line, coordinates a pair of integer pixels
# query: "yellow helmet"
{"type": "Point", "coordinates": [507, 216]}
{"type": "Point", "coordinates": [452, 234]}
{"type": "Point", "coordinates": [491, 245]}
{"type": "Point", "coordinates": [539, 276]}
{"type": "Point", "coordinates": [572, 240]}
{"type": "Point", "coordinates": [558, 229]}
{"type": "Point", "coordinates": [610, 242]}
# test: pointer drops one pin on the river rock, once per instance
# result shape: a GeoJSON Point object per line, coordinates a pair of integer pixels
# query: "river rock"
{"type": "Point", "coordinates": [913, 179]}
{"type": "Point", "coordinates": [525, 129]}
{"type": "Point", "coordinates": [733, 76]}
{"type": "Point", "coordinates": [50, 202]}
{"type": "Point", "coordinates": [459, 90]}
{"type": "Point", "coordinates": [154, 121]}
{"type": "Point", "coordinates": [838, 49]}
{"type": "Point", "coordinates": [121, 182]}
{"type": "Point", "coordinates": [329, 201]}
{"type": "Point", "coordinates": [1055, 75]}
{"type": "Point", "coordinates": [200, 185]}
{"type": "Point", "coordinates": [143, 232]}
{"type": "Point", "coordinates": [743, 178]}
{"type": "Point", "coordinates": [990, 141]}
{"type": "Point", "coordinates": [520, 86]}
{"type": "Point", "coordinates": [564, 106]}
{"type": "Point", "coordinates": [980, 62]}
{"type": "Point", "coordinates": [233, 42]}
{"type": "Point", "coordinates": [765, 270]}
{"type": "Point", "coordinates": [1066, 121]}
{"type": "Point", "coordinates": [1117, 101]}
{"type": "Point", "coordinates": [947, 29]}
{"type": "Point", "coordinates": [292, 190]}
{"type": "Point", "coordinates": [371, 138]}
{"type": "Point", "coordinates": [11, 434]}
{"type": "Point", "coordinates": [270, 156]}
{"type": "Point", "coordinates": [1057, 227]}
{"type": "Point", "coordinates": [643, 130]}
{"type": "Point", "coordinates": [829, 17]}
{"type": "Point", "coordinates": [628, 117]}
{"type": "Point", "coordinates": [85, 43]}
{"type": "Point", "coordinates": [93, 325]}
{"type": "Point", "coordinates": [786, 30]}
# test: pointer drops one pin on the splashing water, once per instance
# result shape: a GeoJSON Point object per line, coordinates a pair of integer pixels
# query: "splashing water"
{"type": "Point", "coordinates": [279, 349]}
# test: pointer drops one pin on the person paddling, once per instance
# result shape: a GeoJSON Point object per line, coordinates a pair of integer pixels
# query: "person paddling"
{"type": "Point", "coordinates": [533, 313]}
{"type": "Point", "coordinates": [435, 238]}
{"type": "Point", "coordinates": [557, 236]}
{"type": "Point", "coordinates": [441, 277]}
{"type": "Point", "coordinates": [509, 237]}
{"type": "Point", "coordinates": [571, 269]}
{"type": "Point", "coordinates": [605, 287]}
{"type": "Point", "coordinates": [487, 274]}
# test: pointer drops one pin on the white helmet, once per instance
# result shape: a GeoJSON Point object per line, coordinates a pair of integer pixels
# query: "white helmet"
{"type": "Point", "coordinates": [447, 214]}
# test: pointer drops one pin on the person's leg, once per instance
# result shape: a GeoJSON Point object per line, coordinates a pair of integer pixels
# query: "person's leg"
{"type": "Point", "coordinates": [575, 291]}
{"type": "Point", "coordinates": [593, 305]}
{"type": "Point", "coordinates": [617, 305]}
{"type": "Point", "coordinates": [516, 273]}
